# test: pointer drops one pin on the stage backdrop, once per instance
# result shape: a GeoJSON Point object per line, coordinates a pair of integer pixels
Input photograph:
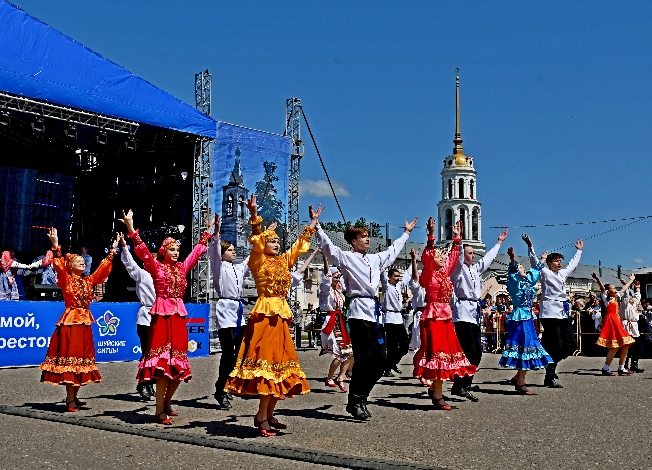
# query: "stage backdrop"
{"type": "Point", "coordinates": [244, 162]}
{"type": "Point", "coordinates": [26, 328]}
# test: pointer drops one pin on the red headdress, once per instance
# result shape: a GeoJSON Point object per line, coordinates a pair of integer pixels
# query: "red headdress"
{"type": "Point", "coordinates": [166, 244]}
{"type": "Point", "coordinates": [6, 261]}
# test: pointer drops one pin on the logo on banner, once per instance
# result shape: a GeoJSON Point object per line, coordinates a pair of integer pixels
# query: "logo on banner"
{"type": "Point", "coordinates": [108, 324]}
{"type": "Point", "coordinates": [192, 345]}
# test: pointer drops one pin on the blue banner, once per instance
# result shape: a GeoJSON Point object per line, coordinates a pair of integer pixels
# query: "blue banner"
{"type": "Point", "coordinates": [26, 329]}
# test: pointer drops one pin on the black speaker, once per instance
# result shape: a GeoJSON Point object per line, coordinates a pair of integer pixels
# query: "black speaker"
{"type": "Point", "coordinates": [43, 292]}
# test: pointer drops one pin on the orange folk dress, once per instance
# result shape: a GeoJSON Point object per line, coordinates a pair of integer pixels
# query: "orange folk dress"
{"type": "Point", "coordinates": [267, 362]}
{"type": "Point", "coordinates": [71, 355]}
{"type": "Point", "coordinates": [613, 335]}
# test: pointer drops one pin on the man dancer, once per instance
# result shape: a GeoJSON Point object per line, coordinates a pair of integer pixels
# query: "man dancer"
{"type": "Point", "coordinates": [397, 340]}
{"type": "Point", "coordinates": [361, 275]}
{"type": "Point", "coordinates": [467, 282]}
{"type": "Point", "coordinates": [228, 279]}
{"type": "Point", "coordinates": [558, 337]}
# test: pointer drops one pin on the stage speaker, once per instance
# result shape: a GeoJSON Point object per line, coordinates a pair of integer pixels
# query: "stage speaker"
{"type": "Point", "coordinates": [44, 292]}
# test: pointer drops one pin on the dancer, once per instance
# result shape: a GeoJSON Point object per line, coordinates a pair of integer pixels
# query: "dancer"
{"type": "Point", "coordinates": [8, 282]}
{"type": "Point", "coordinates": [558, 337]}
{"type": "Point", "coordinates": [440, 357]}
{"type": "Point", "coordinates": [70, 358]}
{"type": "Point", "coordinates": [228, 280]}
{"type": "Point", "coordinates": [166, 360]}
{"type": "Point", "coordinates": [146, 295]}
{"type": "Point", "coordinates": [361, 274]}
{"type": "Point", "coordinates": [267, 363]}
{"type": "Point", "coordinates": [397, 340]}
{"type": "Point", "coordinates": [522, 350]}
{"type": "Point", "coordinates": [418, 305]}
{"type": "Point", "coordinates": [630, 317]}
{"type": "Point", "coordinates": [613, 336]}
{"type": "Point", "coordinates": [335, 338]}
{"type": "Point", "coordinates": [468, 284]}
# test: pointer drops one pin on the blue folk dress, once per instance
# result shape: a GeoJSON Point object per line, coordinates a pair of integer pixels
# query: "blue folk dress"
{"type": "Point", "coordinates": [523, 351]}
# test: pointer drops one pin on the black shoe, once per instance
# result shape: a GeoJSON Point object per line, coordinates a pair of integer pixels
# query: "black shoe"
{"type": "Point", "coordinates": [457, 391]}
{"type": "Point", "coordinates": [552, 383]}
{"type": "Point", "coordinates": [364, 407]}
{"type": "Point", "coordinates": [396, 369]}
{"type": "Point", "coordinates": [355, 409]}
{"type": "Point", "coordinates": [468, 395]}
{"type": "Point", "coordinates": [150, 390]}
{"type": "Point", "coordinates": [625, 372]}
{"type": "Point", "coordinates": [635, 368]}
{"type": "Point", "coordinates": [388, 373]}
{"type": "Point", "coordinates": [229, 396]}
{"type": "Point", "coordinates": [141, 388]}
{"type": "Point", "coordinates": [223, 400]}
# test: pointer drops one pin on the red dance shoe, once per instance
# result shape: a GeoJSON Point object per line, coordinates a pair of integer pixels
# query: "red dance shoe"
{"type": "Point", "coordinates": [72, 409]}
{"type": "Point", "coordinates": [440, 404]}
{"type": "Point", "coordinates": [170, 412]}
{"type": "Point", "coordinates": [522, 389]}
{"type": "Point", "coordinates": [167, 421]}
{"type": "Point", "coordinates": [624, 372]}
{"type": "Point", "coordinates": [340, 383]}
{"type": "Point", "coordinates": [330, 383]}
{"type": "Point", "coordinates": [264, 432]}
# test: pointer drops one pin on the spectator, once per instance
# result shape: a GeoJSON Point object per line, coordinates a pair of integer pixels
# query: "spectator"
{"type": "Point", "coordinates": [88, 259]}
{"type": "Point", "coordinates": [311, 316]}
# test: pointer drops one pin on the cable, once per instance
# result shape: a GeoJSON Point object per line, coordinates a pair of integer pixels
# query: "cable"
{"type": "Point", "coordinates": [322, 163]}
{"type": "Point", "coordinates": [641, 219]}
{"type": "Point", "coordinates": [576, 223]}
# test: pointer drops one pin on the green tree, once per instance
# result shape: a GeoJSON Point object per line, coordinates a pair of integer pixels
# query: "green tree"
{"type": "Point", "coordinates": [270, 208]}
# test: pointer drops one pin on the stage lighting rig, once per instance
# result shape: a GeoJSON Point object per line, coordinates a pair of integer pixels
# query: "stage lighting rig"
{"type": "Point", "coordinates": [38, 125]}
{"type": "Point", "coordinates": [102, 138]}
{"type": "Point", "coordinates": [5, 119]}
{"type": "Point", "coordinates": [184, 175]}
{"type": "Point", "coordinates": [130, 143]}
{"type": "Point", "coordinates": [71, 131]}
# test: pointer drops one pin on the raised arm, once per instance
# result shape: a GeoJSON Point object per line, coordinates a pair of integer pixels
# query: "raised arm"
{"type": "Point", "coordinates": [632, 278]}
{"type": "Point", "coordinates": [488, 258]}
{"type": "Point", "coordinates": [597, 279]}
{"type": "Point", "coordinates": [59, 262]}
{"type": "Point", "coordinates": [388, 256]}
{"type": "Point", "coordinates": [414, 271]}
{"type": "Point", "coordinates": [454, 254]}
{"type": "Point", "coordinates": [306, 263]}
{"type": "Point", "coordinates": [575, 260]}
{"type": "Point", "coordinates": [104, 269]}
{"type": "Point", "coordinates": [215, 252]}
{"type": "Point", "coordinates": [135, 272]}
{"type": "Point", "coordinates": [530, 250]}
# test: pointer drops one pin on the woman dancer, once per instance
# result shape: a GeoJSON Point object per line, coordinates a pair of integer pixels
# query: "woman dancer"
{"type": "Point", "coordinates": [629, 313]}
{"type": "Point", "coordinates": [440, 356]}
{"type": "Point", "coordinates": [613, 335]}
{"type": "Point", "coordinates": [166, 360]}
{"type": "Point", "coordinates": [522, 351]}
{"type": "Point", "coordinates": [70, 358]}
{"type": "Point", "coordinates": [8, 282]}
{"type": "Point", "coordinates": [267, 364]}
{"type": "Point", "coordinates": [334, 335]}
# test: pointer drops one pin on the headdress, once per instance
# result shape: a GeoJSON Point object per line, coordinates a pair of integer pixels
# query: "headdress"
{"type": "Point", "coordinates": [269, 235]}
{"type": "Point", "coordinates": [71, 257]}
{"type": "Point", "coordinates": [6, 261]}
{"type": "Point", "coordinates": [166, 244]}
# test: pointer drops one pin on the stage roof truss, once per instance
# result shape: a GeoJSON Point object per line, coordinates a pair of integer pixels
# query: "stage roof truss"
{"type": "Point", "coordinates": [63, 113]}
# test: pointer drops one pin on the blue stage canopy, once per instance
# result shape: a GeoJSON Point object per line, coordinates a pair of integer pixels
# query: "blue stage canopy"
{"type": "Point", "coordinates": [39, 62]}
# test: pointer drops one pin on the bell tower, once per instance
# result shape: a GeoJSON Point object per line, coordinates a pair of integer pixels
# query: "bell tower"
{"type": "Point", "coordinates": [234, 213]}
{"type": "Point", "coordinates": [459, 198]}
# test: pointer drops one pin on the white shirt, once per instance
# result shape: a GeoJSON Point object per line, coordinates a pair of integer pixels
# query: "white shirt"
{"type": "Point", "coordinates": [418, 295]}
{"type": "Point", "coordinates": [553, 286]}
{"type": "Point", "coordinates": [144, 287]}
{"type": "Point", "coordinates": [360, 272]}
{"type": "Point", "coordinates": [393, 298]}
{"type": "Point", "coordinates": [329, 299]}
{"type": "Point", "coordinates": [467, 284]}
{"type": "Point", "coordinates": [228, 279]}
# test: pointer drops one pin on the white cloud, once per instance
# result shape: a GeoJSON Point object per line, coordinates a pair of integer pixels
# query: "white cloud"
{"type": "Point", "coordinates": [639, 261]}
{"type": "Point", "coordinates": [320, 188]}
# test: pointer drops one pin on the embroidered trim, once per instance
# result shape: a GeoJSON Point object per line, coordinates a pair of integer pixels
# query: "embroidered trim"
{"type": "Point", "coordinates": [136, 237]}
{"type": "Point", "coordinates": [205, 237]}
{"type": "Point", "coordinates": [255, 225]}
{"type": "Point", "coordinates": [176, 281]}
{"type": "Point", "coordinates": [56, 252]}
{"type": "Point", "coordinates": [249, 369]}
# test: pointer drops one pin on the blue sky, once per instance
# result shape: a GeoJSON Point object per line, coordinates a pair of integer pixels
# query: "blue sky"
{"type": "Point", "coordinates": [556, 100]}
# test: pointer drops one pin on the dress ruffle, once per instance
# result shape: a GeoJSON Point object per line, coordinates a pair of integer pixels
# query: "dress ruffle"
{"type": "Point", "coordinates": [523, 350]}
{"type": "Point", "coordinates": [167, 348]}
{"type": "Point", "coordinates": [267, 362]}
{"type": "Point", "coordinates": [71, 357]}
{"type": "Point", "coordinates": [440, 356]}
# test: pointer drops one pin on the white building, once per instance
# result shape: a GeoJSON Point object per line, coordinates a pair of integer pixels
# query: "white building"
{"type": "Point", "coordinates": [459, 198]}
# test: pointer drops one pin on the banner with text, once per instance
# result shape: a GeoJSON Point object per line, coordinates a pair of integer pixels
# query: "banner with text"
{"type": "Point", "coordinates": [26, 329]}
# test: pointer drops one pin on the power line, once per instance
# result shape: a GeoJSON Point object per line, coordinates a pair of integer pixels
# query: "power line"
{"type": "Point", "coordinates": [638, 219]}
{"type": "Point", "coordinates": [322, 163]}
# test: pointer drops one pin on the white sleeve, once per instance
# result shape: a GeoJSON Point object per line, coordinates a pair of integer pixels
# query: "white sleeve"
{"type": "Point", "coordinates": [487, 259]}
{"type": "Point", "coordinates": [572, 264]}
{"type": "Point", "coordinates": [330, 251]}
{"type": "Point", "coordinates": [324, 284]}
{"type": "Point", "coordinates": [215, 255]}
{"type": "Point", "coordinates": [133, 269]}
{"type": "Point", "coordinates": [297, 278]}
{"type": "Point", "coordinates": [388, 256]}
{"type": "Point", "coordinates": [414, 286]}
{"type": "Point", "coordinates": [533, 257]}
{"type": "Point", "coordinates": [407, 275]}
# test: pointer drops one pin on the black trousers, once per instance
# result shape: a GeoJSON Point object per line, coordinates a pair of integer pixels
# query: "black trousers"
{"type": "Point", "coordinates": [143, 333]}
{"type": "Point", "coordinates": [397, 344]}
{"type": "Point", "coordinates": [230, 344]}
{"type": "Point", "coordinates": [370, 356]}
{"type": "Point", "coordinates": [635, 351]}
{"type": "Point", "coordinates": [558, 339]}
{"type": "Point", "coordinates": [468, 334]}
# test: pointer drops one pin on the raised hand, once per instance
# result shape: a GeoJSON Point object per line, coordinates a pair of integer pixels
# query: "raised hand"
{"type": "Point", "coordinates": [211, 223]}
{"type": "Point", "coordinates": [430, 225]}
{"type": "Point", "coordinates": [216, 224]}
{"type": "Point", "coordinates": [544, 255]}
{"type": "Point", "coordinates": [252, 206]}
{"type": "Point", "coordinates": [632, 277]}
{"type": "Point", "coordinates": [128, 220]}
{"type": "Point", "coordinates": [123, 242]}
{"type": "Point", "coordinates": [413, 253]}
{"type": "Point", "coordinates": [595, 276]}
{"type": "Point", "coordinates": [526, 239]}
{"type": "Point", "coordinates": [510, 252]}
{"type": "Point", "coordinates": [409, 226]}
{"type": "Point", "coordinates": [502, 236]}
{"type": "Point", "coordinates": [457, 229]}
{"type": "Point", "coordinates": [272, 226]}
{"type": "Point", "coordinates": [580, 244]}
{"type": "Point", "coordinates": [114, 244]}
{"type": "Point", "coordinates": [54, 238]}
{"type": "Point", "coordinates": [314, 215]}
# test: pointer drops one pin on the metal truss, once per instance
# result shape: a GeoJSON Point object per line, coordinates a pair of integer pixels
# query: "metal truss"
{"type": "Point", "coordinates": [64, 113]}
{"type": "Point", "coordinates": [200, 288]}
{"type": "Point", "coordinates": [293, 130]}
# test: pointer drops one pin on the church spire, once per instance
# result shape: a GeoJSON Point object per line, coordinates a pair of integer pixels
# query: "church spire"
{"type": "Point", "coordinates": [236, 174]}
{"type": "Point", "coordinates": [458, 150]}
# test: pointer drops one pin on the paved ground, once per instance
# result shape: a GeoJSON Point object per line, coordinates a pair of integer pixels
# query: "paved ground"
{"type": "Point", "coordinates": [593, 422]}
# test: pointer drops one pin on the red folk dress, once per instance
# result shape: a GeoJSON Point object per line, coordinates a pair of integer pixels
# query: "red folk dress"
{"type": "Point", "coordinates": [613, 335]}
{"type": "Point", "coordinates": [440, 356]}
{"type": "Point", "coordinates": [71, 355]}
{"type": "Point", "coordinates": [167, 344]}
